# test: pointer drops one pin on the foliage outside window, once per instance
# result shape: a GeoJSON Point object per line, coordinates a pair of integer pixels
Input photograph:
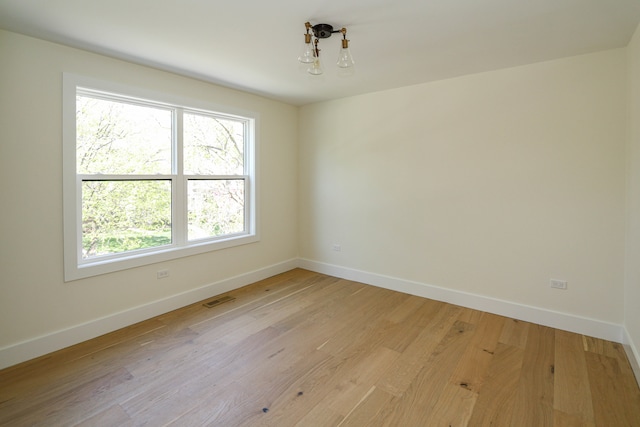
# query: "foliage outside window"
{"type": "Point", "coordinates": [151, 180]}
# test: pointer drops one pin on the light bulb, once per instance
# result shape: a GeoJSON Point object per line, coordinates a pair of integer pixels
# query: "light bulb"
{"type": "Point", "coordinates": [306, 54]}
{"type": "Point", "coordinates": [316, 68]}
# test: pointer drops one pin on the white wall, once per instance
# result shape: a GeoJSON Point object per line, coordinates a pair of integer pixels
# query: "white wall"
{"type": "Point", "coordinates": [489, 184]}
{"type": "Point", "coordinates": [34, 300]}
{"type": "Point", "coordinates": [632, 264]}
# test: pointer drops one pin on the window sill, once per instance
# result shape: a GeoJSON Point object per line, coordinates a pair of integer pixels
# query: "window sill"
{"type": "Point", "coordinates": [75, 272]}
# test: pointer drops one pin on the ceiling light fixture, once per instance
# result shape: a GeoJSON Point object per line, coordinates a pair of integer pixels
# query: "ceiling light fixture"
{"type": "Point", "coordinates": [310, 53]}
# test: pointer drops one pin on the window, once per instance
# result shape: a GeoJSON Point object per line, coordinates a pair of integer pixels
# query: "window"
{"type": "Point", "coordinates": [149, 178]}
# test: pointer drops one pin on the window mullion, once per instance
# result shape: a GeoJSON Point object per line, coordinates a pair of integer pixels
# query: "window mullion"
{"type": "Point", "coordinates": [179, 188]}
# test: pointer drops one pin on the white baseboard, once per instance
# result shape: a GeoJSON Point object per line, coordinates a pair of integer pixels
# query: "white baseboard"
{"type": "Point", "coordinates": [35, 347]}
{"type": "Point", "coordinates": [541, 316]}
{"type": "Point", "coordinates": [632, 354]}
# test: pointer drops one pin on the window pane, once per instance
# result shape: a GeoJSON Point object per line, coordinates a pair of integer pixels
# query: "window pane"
{"type": "Point", "coordinates": [120, 216]}
{"type": "Point", "coordinates": [120, 138]}
{"type": "Point", "coordinates": [216, 208]}
{"type": "Point", "coordinates": [213, 146]}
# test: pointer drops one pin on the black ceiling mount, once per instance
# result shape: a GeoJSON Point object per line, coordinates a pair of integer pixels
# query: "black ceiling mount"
{"type": "Point", "coordinates": [323, 31]}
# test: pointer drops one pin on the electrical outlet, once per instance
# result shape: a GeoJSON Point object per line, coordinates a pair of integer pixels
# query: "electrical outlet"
{"type": "Point", "coordinates": [336, 247]}
{"type": "Point", "coordinates": [161, 274]}
{"type": "Point", "coordinates": [559, 284]}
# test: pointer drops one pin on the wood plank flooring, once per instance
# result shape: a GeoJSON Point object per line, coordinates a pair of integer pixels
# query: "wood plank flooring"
{"type": "Point", "coordinates": [305, 349]}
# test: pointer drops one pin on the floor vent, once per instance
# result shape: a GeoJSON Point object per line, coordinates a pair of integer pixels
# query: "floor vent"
{"type": "Point", "coordinates": [218, 301]}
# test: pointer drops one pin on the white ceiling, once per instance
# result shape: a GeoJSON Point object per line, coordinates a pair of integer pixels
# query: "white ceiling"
{"type": "Point", "coordinates": [253, 44]}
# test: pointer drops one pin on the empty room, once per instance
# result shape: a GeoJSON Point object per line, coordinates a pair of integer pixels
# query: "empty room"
{"type": "Point", "coordinates": [363, 213]}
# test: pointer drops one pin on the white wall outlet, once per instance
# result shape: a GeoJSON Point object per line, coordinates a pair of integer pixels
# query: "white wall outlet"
{"type": "Point", "coordinates": [161, 274]}
{"type": "Point", "coordinates": [559, 284]}
{"type": "Point", "coordinates": [336, 247]}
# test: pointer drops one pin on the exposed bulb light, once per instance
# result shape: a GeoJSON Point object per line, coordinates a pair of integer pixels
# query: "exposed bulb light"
{"type": "Point", "coordinates": [306, 54]}
{"type": "Point", "coordinates": [316, 67]}
{"type": "Point", "coordinates": [345, 60]}
{"type": "Point", "coordinates": [311, 53]}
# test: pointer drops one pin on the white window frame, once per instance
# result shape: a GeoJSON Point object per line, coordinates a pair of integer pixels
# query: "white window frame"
{"type": "Point", "coordinates": [75, 267]}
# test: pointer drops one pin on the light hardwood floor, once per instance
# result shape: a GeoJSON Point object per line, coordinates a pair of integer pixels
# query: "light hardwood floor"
{"type": "Point", "coordinates": [305, 349]}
